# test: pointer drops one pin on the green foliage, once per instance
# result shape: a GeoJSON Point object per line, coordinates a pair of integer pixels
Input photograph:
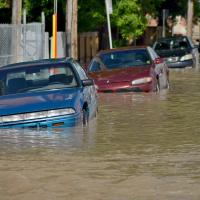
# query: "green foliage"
{"type": "Point", "coordinates": [151, 6]}
{"type": "Point", "coordinates": [91, 15]}
{"type": "Point", "coordinates": [4, 3]}
{"type": "Point", "coordinates": [34, 9]}
{"type": "Point", "coordinates": [119, 43]}
{"type": "Point", "coordinates": [129, 18]}
{"type": "Point", "coordinates": [196, 10]}
{"type": "Point", "coordinates": [175, 7]}
{"type": "Point", "coordinates": [5, 11]}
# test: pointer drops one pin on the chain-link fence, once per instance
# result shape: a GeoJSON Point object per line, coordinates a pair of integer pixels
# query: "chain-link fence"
{"type": "Point", "coordinates": [20, 43]}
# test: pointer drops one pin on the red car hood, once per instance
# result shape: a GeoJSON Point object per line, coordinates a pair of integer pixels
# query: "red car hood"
{"type": "Point", "coordinates": [120, 75]}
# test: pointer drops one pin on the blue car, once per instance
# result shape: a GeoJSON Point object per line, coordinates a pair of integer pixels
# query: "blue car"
{"type": "Point", "coordinates": [46, 93]}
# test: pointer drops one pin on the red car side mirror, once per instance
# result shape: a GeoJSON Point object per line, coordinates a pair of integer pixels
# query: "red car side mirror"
{"type": "Point", "coordinates": [158, 61]}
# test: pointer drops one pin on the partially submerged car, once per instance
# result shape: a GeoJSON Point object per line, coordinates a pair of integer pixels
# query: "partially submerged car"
{"type": "Point", "coordinates": [129, 69]}
{"type": "Point", "coordinates": [46, 93]}
{"type": "Point", "coordinates": [178, 51]}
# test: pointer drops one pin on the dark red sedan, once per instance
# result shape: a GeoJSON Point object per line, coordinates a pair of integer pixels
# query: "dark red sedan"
{"type": "Point", "coordinates": [136, 69]}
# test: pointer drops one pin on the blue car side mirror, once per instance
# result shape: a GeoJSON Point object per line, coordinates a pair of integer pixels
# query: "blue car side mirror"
{"type": "Point", "coordinates": [87, 82]}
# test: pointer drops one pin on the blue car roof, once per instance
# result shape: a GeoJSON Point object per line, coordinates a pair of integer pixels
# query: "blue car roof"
{"type": "Point", "coordinates": [37, 62]}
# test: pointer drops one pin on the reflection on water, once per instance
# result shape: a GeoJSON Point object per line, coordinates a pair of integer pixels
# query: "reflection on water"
{"type": "Point", "coordinates": [60, 138]}
{"type": "Point", "coordinates": [141, 146]}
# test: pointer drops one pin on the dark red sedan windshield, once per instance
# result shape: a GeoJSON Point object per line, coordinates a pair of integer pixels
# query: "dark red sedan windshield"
{"type": "Point", "coordinates": [126, 58]}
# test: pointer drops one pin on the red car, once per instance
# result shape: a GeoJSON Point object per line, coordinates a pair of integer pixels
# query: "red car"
{"type": "Point", "coordinates": [136, 69]}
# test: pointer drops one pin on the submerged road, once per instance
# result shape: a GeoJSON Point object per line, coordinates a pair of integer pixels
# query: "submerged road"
{"type": "Point", "coordinates": [140, 147]}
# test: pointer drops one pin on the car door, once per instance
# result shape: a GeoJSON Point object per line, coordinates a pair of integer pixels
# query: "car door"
{"type": "Point", "coordinates": [89, 92]}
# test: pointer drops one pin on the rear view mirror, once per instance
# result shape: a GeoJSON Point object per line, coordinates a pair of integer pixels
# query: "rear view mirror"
{"type": "Point", "coordinates": [87, 82]}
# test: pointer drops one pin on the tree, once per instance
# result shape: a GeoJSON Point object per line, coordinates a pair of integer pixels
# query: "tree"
{"type": "Point", "coordinates": [35, 8]}
{"type": "Point", "coordinates": [178, 7]}
{"type": "Point", "coordinates": [16, 11]}
{"type": "Point", "coordinates": [152, 7]}
{"type": "Point", "coordinates": [5, 11]}
{"type": "Point", "coordinates": [129, 18]}
{"type": "Point", "coordinates": [71, 28]}
{"type": "Point", "coordinates": [5, 3]}
{"type": "Point", "coordinates": [91, 15]}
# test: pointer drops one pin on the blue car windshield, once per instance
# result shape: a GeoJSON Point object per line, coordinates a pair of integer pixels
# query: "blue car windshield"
{"type": "Point", "coordinates": [126, 58]}
{"type": "Point", "coordinates": [35, 78]}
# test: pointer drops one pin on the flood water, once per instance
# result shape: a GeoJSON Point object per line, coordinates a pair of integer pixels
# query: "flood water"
{"type": "Point", "coordinates": [140, 147]}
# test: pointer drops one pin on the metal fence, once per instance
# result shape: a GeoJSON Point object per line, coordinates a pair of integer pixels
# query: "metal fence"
{"type": "Point", "coordinates": [20, 43]}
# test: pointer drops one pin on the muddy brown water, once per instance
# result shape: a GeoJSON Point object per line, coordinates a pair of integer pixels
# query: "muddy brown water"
{"type": "Point", "coordinates": [140, 147]}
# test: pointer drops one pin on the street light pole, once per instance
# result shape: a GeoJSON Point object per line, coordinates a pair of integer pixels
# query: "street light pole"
{"type": "Point", "coordinates": [108, 12]}
{"type": "Point", "coordinates": [55, 30]}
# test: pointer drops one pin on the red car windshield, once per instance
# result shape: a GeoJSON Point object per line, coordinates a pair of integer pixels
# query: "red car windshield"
{"type": "Point", "coordinates": [126, 58]}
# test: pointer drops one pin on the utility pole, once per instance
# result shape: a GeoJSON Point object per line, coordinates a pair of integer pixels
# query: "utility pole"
{"type": "Point", "coordinates": [68, 26]}
{"type": "Point", "coordinates": [16, 11]}
{"type": "Point", "coordinates": [190, 17]}
{"type": "Point", "coordinates": [16, 34]}
{"type": "Point", "coordinates": [71, 28]}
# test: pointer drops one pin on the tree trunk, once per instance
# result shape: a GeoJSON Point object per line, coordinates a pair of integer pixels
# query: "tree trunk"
{"type": "Point", "coordinates": [190, 17]}
{"type": "Point", "coordinates": [16, 11]}
{"type": "Point", "coordinates": [71, 28]}
{"type": "Point", "coordinates": [16, 32]}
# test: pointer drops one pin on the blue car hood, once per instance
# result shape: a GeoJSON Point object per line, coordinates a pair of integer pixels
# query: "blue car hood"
{"type": "Point", "coordinates": [37, 101]}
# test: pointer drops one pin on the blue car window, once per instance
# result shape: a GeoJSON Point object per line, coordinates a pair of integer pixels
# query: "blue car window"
{"type": "Point", "coordinates": [39, 77]}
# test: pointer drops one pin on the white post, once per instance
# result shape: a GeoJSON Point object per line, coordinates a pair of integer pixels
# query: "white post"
{"type": "Point", "coordinates": [164, 17]}
{"type": "Point", "coordinates": [108, 21]}
{"type": "Point", "coordinates": [55, 6]}
{"type": "Point", "coordinates": [24, 35]}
